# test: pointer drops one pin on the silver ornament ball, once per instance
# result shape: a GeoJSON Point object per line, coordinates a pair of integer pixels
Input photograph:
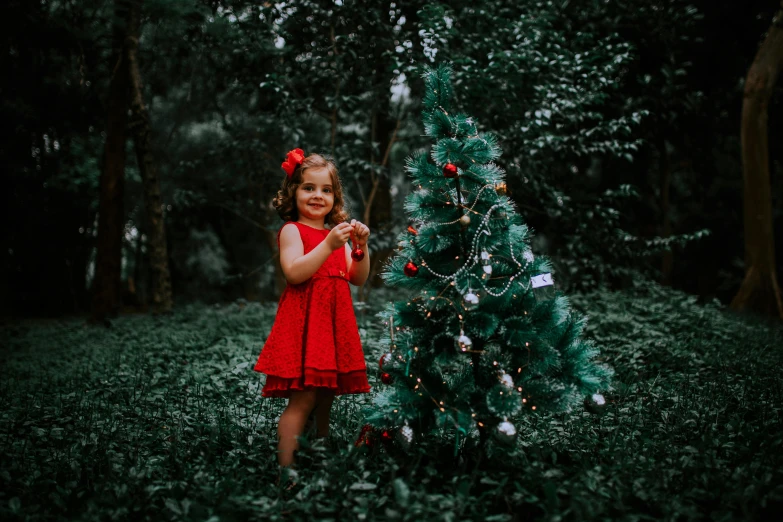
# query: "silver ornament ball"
{"type": "Point", "coordinates": [405, 436]}
{"type": "Point", "coordinates": [506, 432]}
{"type": "Point", "coordinates": [596, 403]}
{"type": "Point", "coordinates": [470, 301]}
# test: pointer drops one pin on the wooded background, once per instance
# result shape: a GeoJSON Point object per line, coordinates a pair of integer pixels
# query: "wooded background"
{"type": "Point", "coordinates": [142, 141]}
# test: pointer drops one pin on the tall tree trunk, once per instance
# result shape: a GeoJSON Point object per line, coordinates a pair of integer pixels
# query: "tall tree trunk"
{"type": "Point", "coordinates": [140, 127]}
{"type": "Point", "coordinates": [378, 207]}
{"type": "Point", "coordinates": [667, 262]}
{"type": "Point", "coordinates": [111, 212]}
{"type": "Point", "coordinates": [759, 290]}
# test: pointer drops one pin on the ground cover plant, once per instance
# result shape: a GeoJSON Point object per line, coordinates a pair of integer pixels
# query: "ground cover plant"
{"type": "Point", "coordinates": [160, 418]}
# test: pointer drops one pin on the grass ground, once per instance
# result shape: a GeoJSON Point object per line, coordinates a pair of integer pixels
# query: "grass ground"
{"type": "Point", "coordinates": [160, 418]}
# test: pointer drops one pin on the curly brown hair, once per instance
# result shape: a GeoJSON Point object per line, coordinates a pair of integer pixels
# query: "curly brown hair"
{"type": "Point", "coordinates": [285, 201]}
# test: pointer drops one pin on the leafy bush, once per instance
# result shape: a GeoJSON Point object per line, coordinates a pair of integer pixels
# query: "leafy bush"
{"type": "Point", "coordinates": [160, 418]}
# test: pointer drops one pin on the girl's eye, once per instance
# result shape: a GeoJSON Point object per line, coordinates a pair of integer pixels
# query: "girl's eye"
{"type": "Point", "coordinates": [328, 190]}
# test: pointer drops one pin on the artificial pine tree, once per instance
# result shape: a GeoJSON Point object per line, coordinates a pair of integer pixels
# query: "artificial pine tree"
{"type": "Point", "coordinates": [483, 338]}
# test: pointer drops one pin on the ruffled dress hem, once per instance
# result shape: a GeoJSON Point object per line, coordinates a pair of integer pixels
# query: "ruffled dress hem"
{"type": "Point", "coordinates": [342, 383]}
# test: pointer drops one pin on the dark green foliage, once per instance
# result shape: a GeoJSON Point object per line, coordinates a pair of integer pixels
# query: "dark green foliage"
{"type": "Point", "coordinates": [160, 418]}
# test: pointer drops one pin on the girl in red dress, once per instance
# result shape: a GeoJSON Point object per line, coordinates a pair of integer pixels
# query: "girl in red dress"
{"type": "Point", "coordinates": [313, 351]}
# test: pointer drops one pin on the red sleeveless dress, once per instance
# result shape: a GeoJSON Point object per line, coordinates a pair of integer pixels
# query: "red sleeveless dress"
{"type": "Point", "coordinates": [314, 341]}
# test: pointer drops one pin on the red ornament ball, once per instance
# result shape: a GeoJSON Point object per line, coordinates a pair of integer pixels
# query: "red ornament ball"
{"type": "Point", "coordinates": [411, 269]}
{"type": "Point", "coordinates": [386, 436]}
{"type": "Point", "coordinates": [386, 378]}
{"type": "Point", "coordinates": [357, 254]}
{"type": "Point", "coordinates": [450, 170]}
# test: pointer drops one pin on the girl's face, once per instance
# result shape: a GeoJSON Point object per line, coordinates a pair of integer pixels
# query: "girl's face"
{"type": "Point", "coordinates": [315, 195]}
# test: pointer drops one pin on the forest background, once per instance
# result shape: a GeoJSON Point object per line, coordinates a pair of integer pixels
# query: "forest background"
{"type": "Point", "coordinates": [141, 144]}
{"type": "Point", "coordinates": [619, 121]}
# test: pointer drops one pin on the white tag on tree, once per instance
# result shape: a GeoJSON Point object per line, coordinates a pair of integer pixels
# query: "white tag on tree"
{"type": "Point", "coordinates": [541, 280]}
{"type": "Point", "coordinates": [543, 287]}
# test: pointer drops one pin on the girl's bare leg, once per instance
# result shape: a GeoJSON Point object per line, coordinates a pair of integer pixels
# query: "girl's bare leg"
{"type": "Point", "coordinates": [292, 423]}
{"type": "Point", "coordinates": [324, 400]}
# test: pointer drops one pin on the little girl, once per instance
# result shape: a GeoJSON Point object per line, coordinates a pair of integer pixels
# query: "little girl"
{"type": "Point", "coordinates": [313, 351]}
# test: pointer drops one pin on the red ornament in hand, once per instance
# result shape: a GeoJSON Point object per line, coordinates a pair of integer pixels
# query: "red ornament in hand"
{"type": "Point", "coordinates": [411, 269]}
{"type": "Point", "coordinates": [450, 170]}
{"type": "Point", "coordinates": [357, 254]}
{"type": "Point", "coordinates": [386, 378]}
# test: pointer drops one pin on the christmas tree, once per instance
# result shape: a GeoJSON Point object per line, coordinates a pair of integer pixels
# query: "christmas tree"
{"type": "Point", "coordinates": [484, 337]}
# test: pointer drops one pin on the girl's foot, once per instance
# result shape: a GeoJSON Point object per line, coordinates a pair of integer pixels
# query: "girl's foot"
{"type": "Point", "coordinates": [287, 477]}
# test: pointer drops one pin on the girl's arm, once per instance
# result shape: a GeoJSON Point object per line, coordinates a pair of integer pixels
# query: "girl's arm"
{"type": "Point", "coordinates": [298, 267]}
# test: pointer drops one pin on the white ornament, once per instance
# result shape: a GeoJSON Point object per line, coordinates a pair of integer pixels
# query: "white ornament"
{"type": "Point", "coordinates": [506, 380]}
{"type": "Point", "coordinates": [470, 301]}
{"type": "Point", "coordinates": [464, 342]}
{"type": "Point", "coordinates": [528, 255]}
{"type": "Point", "coordinates": [486, 262]}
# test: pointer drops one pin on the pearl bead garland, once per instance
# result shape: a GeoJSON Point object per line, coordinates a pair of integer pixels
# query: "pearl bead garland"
{"type": "Point", "coordinates": [472, 258]}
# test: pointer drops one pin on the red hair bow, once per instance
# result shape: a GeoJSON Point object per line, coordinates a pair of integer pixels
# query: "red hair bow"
{"type": "Point", "coordinates": [292, 160]}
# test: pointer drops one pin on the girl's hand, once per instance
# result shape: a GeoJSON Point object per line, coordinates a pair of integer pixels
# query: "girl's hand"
{"type": "Point", "coordinates": [361, 233]}
{"type": "Point", "coordinates": [339, 235]}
